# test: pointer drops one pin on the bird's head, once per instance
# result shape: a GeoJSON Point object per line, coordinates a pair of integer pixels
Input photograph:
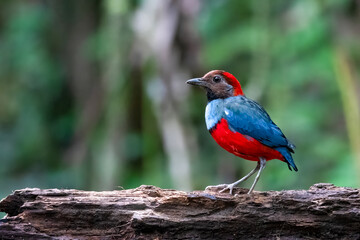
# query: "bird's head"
{"type": "Point", "coordinates": [218, 84]}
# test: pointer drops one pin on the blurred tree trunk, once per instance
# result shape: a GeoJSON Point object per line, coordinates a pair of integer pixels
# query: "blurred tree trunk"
{"type": "Point", "coordinates": [108, 157]}
{"type": "Point", "coordinates": [165, 32]}
{"type": "Point", "coordinates": [347, 76]}
{"type": "Point", "coordinates": [351, 103]}
{"type": "Point", "coordinates": [77, 21]}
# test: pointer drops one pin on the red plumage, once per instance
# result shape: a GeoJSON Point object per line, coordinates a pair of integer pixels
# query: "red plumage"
{"type": "Point", "coordinates": [242, 145]}
{"type": "Point", "coordinates": [234, 82]}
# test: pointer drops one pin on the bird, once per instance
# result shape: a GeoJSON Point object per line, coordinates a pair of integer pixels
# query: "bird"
{"type": "Point", "coordinates": [241, 126]}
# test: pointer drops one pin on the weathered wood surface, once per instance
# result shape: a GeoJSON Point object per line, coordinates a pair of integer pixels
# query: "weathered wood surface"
{"type": "Point", "coordinates": [147, 212]}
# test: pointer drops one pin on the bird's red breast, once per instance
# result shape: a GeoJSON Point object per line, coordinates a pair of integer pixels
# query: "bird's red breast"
{"type": "Point", "coordinates": [242, 145]}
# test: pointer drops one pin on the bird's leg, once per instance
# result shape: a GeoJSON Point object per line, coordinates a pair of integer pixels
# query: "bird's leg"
{"type": "Point", "coordinates": [262, 166]}
{"type": "Point", "coordinates": [232, 185]}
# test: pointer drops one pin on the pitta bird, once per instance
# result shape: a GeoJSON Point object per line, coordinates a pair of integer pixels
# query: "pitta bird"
{"type": "Point", "coordinates": [241, 126]}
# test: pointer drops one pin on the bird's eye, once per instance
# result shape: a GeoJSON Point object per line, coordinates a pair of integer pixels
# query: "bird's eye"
{"type": "Point", "coordinates": [217, 79]}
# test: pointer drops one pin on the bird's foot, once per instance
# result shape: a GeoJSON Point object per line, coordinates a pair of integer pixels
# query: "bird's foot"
{"type": "Point", "coordinates": [229, 187]}
{"type": "Point", "coordinates": [215, 187]}
{"type": "Point", "coordinates": [224, 187]}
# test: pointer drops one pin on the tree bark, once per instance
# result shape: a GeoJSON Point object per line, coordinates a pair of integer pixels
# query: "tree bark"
{"type": "Point", "coordinates": [147, 212]}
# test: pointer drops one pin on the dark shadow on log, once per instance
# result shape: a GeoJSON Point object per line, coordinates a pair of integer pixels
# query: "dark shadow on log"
{"type": "Point", "coordinates": [323, 211]}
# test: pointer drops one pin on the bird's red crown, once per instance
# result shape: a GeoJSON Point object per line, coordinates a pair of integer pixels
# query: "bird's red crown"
{"type": "Point", "coordinates": [233, 82]}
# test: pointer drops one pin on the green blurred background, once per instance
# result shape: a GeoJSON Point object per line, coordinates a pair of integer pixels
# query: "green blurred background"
{"type": "Point", "coordinates": [93, 93]}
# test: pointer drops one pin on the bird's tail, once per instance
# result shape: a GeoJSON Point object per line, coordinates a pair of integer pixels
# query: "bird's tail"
{"type": "Point", "coordinates": [288, 158]}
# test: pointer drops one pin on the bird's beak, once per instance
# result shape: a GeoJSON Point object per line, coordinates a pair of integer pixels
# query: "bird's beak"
{"type": "Point", "coordinates": [197, 82]}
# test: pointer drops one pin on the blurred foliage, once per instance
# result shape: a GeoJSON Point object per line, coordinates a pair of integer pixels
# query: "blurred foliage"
{"type": "Point", "coordinates": [93, 93]}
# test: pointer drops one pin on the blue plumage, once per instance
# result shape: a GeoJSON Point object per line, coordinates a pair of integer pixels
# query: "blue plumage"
{"type": "Point", "coordinates": [249, 118]}
{"type": "Point", "coordinates": [287, 155]}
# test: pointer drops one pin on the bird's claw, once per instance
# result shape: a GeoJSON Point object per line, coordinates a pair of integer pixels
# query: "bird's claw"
{"type": "Point", "coordinates": [224, 187]}
{"type": "Point", "coordinates": [209, 188]}
{"type": "Point", "coordinates": [229, 187]}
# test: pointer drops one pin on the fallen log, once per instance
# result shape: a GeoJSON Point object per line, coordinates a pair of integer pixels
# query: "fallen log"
{"type": "Point", "coordinates": [147, 212]}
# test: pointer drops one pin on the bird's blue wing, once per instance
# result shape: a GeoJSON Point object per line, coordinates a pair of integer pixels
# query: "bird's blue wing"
{"type": "Point", "coordinates": [249, 118]}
